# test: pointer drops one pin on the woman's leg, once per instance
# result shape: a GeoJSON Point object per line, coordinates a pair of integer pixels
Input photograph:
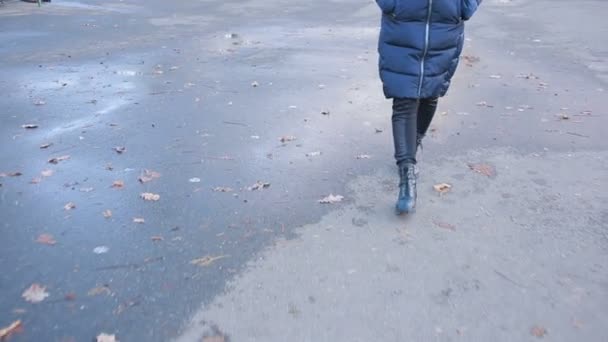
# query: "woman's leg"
{"type": "Point", "coordinates": [426, 111]}
{"type": "Point", "coordinates": [405, 113]}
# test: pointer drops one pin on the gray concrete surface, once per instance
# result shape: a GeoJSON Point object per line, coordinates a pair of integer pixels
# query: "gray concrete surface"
{"type": "Point", "coordinates": [492, 259]}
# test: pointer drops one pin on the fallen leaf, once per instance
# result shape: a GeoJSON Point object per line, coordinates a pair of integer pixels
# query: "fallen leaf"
{"type": "Point", "coordinates": [148, 176]}
{"type": "Point", "coordinates": [103, 337]}
{"type": "Point", "coordinates": [118, 184]}
{"type": "Point", "coordinates": [100, 290]}
{"type": "Point", "coordinates": [442, 188]}
{"type": "Point", "coordinates": [258, 186]}
{"type": "Point", "coordinates": [207, 260]}
{"type": "Point", "coordinates": [156, 238]}
{"type": "Point", "coordinates": [36, 180]}
{"type": "Point", "coordinates": [70, 296]}
{"type": "Point", "coordinates": [56, 160]}
{"type": "Point", "coordinates": [538, 331]}
{"type": "Point", "coordinates": [46, 145]}
{"type": "Point", "coordinates": [107, 213]}
{"type": "Point", "coordinates": [313, 154]}
{"type": "Point", "coordinates": [47, 173]}
{"type": "Point", "coordinates": [101, 249]}
{"type": "Point", "coordinates": [287, 138]}
{"type": "Point", "coordinates": [120, 149]}
{"type": "Point", "coordinates": [564, 116]}
{"type": "Point", "coordinates": [364, 156]}
{"type": "Point", "coordinates": [484, 169]}
{"type": "Point", "coordinates": [35, 293]}
{"type": "Point", "coordinates": [139, 220]}
{"type": "Point", "coordinates": [29, 126]}
{"type": "Point", "coordinates": [39, 102]}
{"type": "Point", "coordinates": [148, 196]}
{"type": "Point", "coordinates": [331, 199]}
{"type": "Point", "coordinates": [215, 338]}
{"type": "Point", "coordinates": [11, 329]}
{"type": "Point", "coordinates": [11, 174]}
{"type": "Point", "coordinates": [46, 239]}
{"type": "Point", "coordinates": [69, 206]}
{"type": "Point", "coordinates": [222, 189]}
{"type": "Point", "coordinates": [445, 225]}
{"type": "Point", "coordinates": [194, 180]}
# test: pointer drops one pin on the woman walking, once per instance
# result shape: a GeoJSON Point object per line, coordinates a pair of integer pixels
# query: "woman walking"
{"type": "Point", "coordinates": [420, 45]}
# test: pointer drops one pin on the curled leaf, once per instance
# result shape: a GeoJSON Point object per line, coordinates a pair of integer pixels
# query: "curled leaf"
{"type": "Point", "coordinates": [442, 188]}
{"type": "Point", "coordinates": [148, 176]}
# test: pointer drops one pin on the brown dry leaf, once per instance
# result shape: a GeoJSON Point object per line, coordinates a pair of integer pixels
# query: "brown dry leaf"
{"type": "Point", "coordinates": [222, 189]}
{"type": "Point", "coordinates": [157, 238]}
{"type": "Point", "coordinates": [103, 337]}
{"type": "Point", "coordinates": [46, 239]}
{"type": "Point", "coordinates": [47, 173]}
{"type": "Point", "coordinates": [120, 149]}
{"type": "Point", "coordinates": [215, 338]}
{"type": "Point", "coordinates": [99, 290]}
{"type": "Point", "coordinates": [207, 260]}
{"type": "Point", "coordinates": [331, 199]}
{"type": "Point", "coordinates": [287, 138]}
{"type": "Point", "coordinates": [11, 174]}
{"type": "Point", "coordinates": [35, 293]}
{"type": "Point", "coordinates": [69, 206]}
{"type": "Point", "coordinates": [538, 331]}
{"type": "Point", "coordinates": [56, 160]}
{"type": "Point", "coordinates": [29, 126]}
{"type": "Point", "coordinates": [148, 176]}
{"type": "Point", "coordinates": [484, 169]}
{"type": "Point", "coordinates": [445, 225]}
{"type": "Point", "coordinates": [8, 331]}
{"type": "Point", "coordinates": [46, 145]}
{"type": "Point", "coordinates": [107, 213]}
{"type": "Point", "coordinates": [118, 184]}
{"type": "Point", "coordinates": [442, 188]}
{"type": "Point", "coordinates": [148, 196]}
{"type": "Point", "coordinates": [139, 220]}
{"type": "Point", "coordinates": [258, 186]}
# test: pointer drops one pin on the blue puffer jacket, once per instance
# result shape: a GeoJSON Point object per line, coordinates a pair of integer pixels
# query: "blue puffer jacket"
{"type": "Point", "coordinates": [420, 45]}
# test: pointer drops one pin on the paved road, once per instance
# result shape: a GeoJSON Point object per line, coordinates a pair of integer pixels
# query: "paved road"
{"type": "Point", "coordinates": [202, 92]}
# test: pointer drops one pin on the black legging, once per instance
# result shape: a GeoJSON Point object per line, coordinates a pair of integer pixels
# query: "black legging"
{"type": "Point", "coordinates": [411, 120]}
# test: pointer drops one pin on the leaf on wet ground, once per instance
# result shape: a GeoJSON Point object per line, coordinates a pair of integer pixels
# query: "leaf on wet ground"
{"type": "Point", "coordinates": [313, 154]}
{"type": "Point", "coordinates": [216, 338]}
{"type": "Point", "coordinates": [70, 296]}
{"type": "Point", "coordinates": [100, 290]}
{"type": "Point", "coordinates": [118, 184]}
{"type": "Point", "coordinates": [207, 260]}
{"type": "Point", "coordinates": [120, 149]}
{"type": "Point", "coordinates": [30, 126]}
{"type": "Point", "coordinates": [47, 173]}
{"type": "Point", "coordinates": [484, 169]}
{"type": "Point", "coordinates": [258, 186]}
{"type": "Point", "coordinates": [148, 196]}
{"type": "Point", "coordinates": [445, 225]}
{"type": "Point", "coordinates": [56, 160]}
{"type": "Point", "coordinates": [46, 145]}
{"type": "Point", "coordinates": [46, 239]}
{"type": "Point", "coordinates": [103, 337]}
{"type": "Point", "coordinates": [148, 176]}
{"type": "Point", "coordinates": [442, 188]}
{"type": "Point", "coordinates": [139, 220]}
{"type": "Point", "coordinates": [11, 174]}
{"type": "Point", "coordinates": [538, 331]}
{"type": "Point", "coordinates": [101, 249]}
{"type": "Point", "coordinates": [157, 238]}
{"type": "Point", "coordinates": [107, 213]}
{"type": "Point", "coordinates": [6, 332]}
{"type": "Point", "coordinates": [36, 293]}
{"type": "Point", "coordinates": [363, 156]}
{"type": "Point", "coordinates": [222, 189]}
{"type": "Point", "coordinates": [287, 138]}
{"type": "Point", "coordinates": [69, 206]}
{"type": "Point", "coordinates": [331, 199]}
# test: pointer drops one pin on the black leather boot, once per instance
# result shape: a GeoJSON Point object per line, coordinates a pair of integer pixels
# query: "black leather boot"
{"type": "Point", "coordinates": [406, 203]}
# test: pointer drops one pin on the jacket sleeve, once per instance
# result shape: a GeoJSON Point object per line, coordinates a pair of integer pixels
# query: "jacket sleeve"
{"type": "Point", "coordinates": [469, 7]}
{"type": "Point", "coordinates": [387, 6]}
